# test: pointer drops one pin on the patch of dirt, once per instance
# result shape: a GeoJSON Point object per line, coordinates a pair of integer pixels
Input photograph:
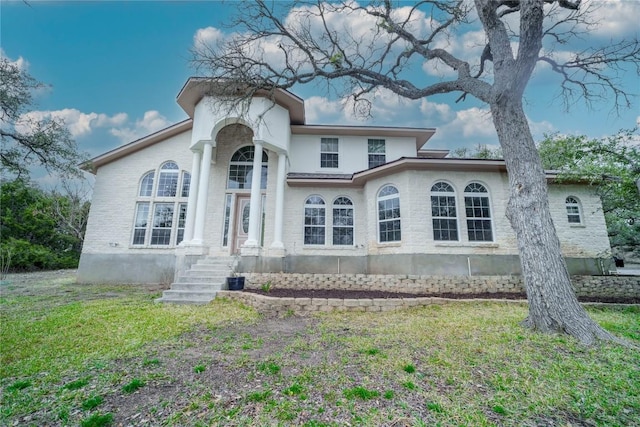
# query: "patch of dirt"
{"type": "Point", "coordinates": [346, 294]}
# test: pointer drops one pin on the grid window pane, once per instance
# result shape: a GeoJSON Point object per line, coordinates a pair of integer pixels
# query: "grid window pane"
{"type": "Point", "coordinates": [182, 219]}
{"type": "Point", "coordinates": [342, 221]}
{"type": "Point", "coordinates": [186, 184]}
{"type": "Point", "coordinates": [376, 150]}
{"type": "Point", "coordinates": [162, 223]}
{"type": "Point", "coordinates": [141, 221]}
{"type": "Point", "coordinates": [329, 152]}
{"type": "Point", "coordinates": [573, 210]}
{"type": "Point", "coordinates": [314, 221]}
{"type": "Point", "coordinates": [241, 169]}
{"type": "Point", "coordinates": [389, 215]}
{"type": "Point", "coordinates": [478, 217]}
{"type": "Point", "coordinates": [146, 186]}
{"type": "Point", "coordinates": [443, 212]}
{"type": "Point", "coordinates": [167, 184]}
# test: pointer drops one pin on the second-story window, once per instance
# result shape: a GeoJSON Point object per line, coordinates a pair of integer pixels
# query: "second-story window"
{"type": "Point", "coordinates": [377, 152]}
{"type": "Point", "coordinates": [329, 152]}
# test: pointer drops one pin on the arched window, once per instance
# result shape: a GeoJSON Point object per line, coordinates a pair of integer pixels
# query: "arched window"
{"type": "Point", "coordinates": [160, 220]}
{"type": "Point", "coordinates": [168, 180]}
{"type": "Point", "coordinates": [389, 227]}
{"type": "Point", "coordinates": [314, 221]}
{"type": "Point", "coordinates": [574, 215]}
{"type": "Point", "coordinates": [342, 221]}
{"type": "Point", "coordinates": [146, 185]}
{"type": "Point", "coordinates": [476, 205]}
{"type": "Point", "coordinates": [443, 212]}
{"type": "Point", "coordinates": [241, 168]}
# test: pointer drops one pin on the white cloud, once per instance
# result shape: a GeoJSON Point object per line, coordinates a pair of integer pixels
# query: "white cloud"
{"type": "Point", "coordinates": [206, 38]}
{"type": "Point", "coordinates": [152, 121]}
{"type": "Point", "coordinates": [79, 124]}
{"type": "Point", "coordinates": [21, 63]}
{"type": "Point", "coordinates": [615, 18]}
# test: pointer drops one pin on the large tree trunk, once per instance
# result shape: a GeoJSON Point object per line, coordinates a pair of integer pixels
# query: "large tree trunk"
{"type": "Point", "coordinates": [553, 306]}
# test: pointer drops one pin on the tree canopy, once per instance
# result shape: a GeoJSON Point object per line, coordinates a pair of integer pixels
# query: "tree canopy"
{"type": "Point", "coordinates": [27, 141]}
{"type": "Point", "coordinates": [612, 166]}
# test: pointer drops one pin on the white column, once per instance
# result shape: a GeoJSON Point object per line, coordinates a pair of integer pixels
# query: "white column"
{"type": "Point", "coordinates": [192, 202]}
{"type": "Point", "coordinates": [203, 190]}
{"type": "Point", "coordinates": [277, 237]}
{"type": "Point", "coordinates": [254, 211]}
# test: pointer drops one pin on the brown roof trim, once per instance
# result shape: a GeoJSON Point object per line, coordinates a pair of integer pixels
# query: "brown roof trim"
{"type": "Point", "coordinates": [138, 144]}
{"type": "Point", "coordinates": [196, 88]}
{"type": "Point", "coordinates": [422, 135]}
{"type": "Point", "coordinates": [358, 179]}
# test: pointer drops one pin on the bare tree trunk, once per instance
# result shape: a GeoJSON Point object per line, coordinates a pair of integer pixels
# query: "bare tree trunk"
{"type": "Point", "coordinates": [553, 306]}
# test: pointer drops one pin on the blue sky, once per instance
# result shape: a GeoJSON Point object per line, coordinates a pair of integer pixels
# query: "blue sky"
{"type": "Point", "coordinates": [115, 68]}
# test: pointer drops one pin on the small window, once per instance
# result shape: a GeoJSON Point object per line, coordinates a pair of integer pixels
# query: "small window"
{"type": "Point", "coordinates": [574, 215]}
{"type": "Point", "coordinates": [443, 212]}
{"type": "Point", "coordinates": [342, 221]}
{"type": "Point", "coordinates": [146, 185]}
{"type": "Point", "coordinates": [476, 205]}
{"type": "Point", "coordinates": [377, 152]}
{"type": "Point", "coordinates": [168, 181]}
{"type": "Point", "coordinates": [389, 226]}
{"type": "Point", "coordinates": [329, 152]}
{"type": "Point", "coordinates": [314, 221]}
{"type": "Point", "coordinates": [182, 220]}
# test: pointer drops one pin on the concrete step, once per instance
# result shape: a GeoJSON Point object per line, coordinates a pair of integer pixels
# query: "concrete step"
{"type": "Point", "coordinates": [192, 278]}
{"type": "Point", "coordinates": [194, 297]}
{"type": "Point", "coordinates": [207, 287]}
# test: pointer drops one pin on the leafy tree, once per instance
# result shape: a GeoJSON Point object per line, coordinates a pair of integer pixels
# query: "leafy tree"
{"type": "Point", "coordinates": [27, 141]}
{"type": "Point", "coordinates": [277, 45]}
{"type": "Point", "coordinates": [612, 165]}
{"type": "Point", "coordinates": [32, 230]}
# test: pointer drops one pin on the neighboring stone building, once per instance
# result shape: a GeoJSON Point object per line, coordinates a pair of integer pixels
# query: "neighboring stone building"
{"type": "Point", "coordinates": [329, 199]}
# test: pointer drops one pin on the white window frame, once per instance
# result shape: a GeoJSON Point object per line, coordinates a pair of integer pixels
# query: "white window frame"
{"type": "Point", "coordinates": [376, 158]}
{"type": "Point", "coordinates": [350, 220]}
{"type": "Point", "coordinates": [150, 200]}
{"type": "Point", "coordinates": [573, 209]}
{"type": "Point", "coordinates": [312, 203]}
{"type": "Point", "coordinates": [329, 156]}
{"type": "Point", "coordinates": [484, 198]}
{"type": "Point", "coordinates": [385, 198]}
{"type": "Point", "coordinates": [439, 191]}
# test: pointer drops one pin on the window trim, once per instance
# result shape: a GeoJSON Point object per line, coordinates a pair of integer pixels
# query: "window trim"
{"type": "Point", "coordinates": [383, 154]}
{"type": "Point", "coordinates": [336, 153]}
{"type": "Point", "coordinates": [179, 200]}
{"type": "Point", "coordinates": [308, 205]}
{"type": "Point", "coordinates": [574, 204]}
{"type": "Point", "coordinates": [350, 206]}
{"type": "Point", "coordinates": [483, 195]}
{"type": "Point", "coordinates": [444, 194]}
{"type": "Point", "coordinates": [379, 198]}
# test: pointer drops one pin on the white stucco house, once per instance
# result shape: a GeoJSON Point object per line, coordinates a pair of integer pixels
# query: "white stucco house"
{"type": "Point", "coordinates": [328, 199]}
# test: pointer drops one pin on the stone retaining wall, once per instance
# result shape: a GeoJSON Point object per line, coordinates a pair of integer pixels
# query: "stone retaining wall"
{"type": "Point", "coordinates": [593, 286]}
{"type": "Point", "coordinates": [288, 306]}
{"type": "Point", "coordinates": [588, 286]}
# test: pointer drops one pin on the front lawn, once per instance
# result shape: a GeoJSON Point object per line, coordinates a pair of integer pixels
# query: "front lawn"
{"type": "Point", "coordinates": [108, 355]}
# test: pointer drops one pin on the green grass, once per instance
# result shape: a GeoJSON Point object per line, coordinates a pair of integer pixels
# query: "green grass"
{"type": "Point", "coordinates": [456, 364]}
{"type": "Point", "coordinates": [134, 385]}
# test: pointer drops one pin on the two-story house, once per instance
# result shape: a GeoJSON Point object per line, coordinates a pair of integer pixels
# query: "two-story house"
{"type": "Point", "coordinates": [327, 199]}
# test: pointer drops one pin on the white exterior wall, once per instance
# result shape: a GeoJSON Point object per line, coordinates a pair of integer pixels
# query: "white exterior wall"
{"type": "Point", "coordinates": [269, 122]}
{"type": "Point", "coordinates": [352, 152]}
{"type": "Point", "coordinates": [110, 223]}
{"type": "Point", "coordinates": [588, 239]}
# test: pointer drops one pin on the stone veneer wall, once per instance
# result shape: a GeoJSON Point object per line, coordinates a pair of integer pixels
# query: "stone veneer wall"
{"type": "Point", "coordinates": [618, 286]}
{"type": "Point", "coordinates": [591, 286]}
